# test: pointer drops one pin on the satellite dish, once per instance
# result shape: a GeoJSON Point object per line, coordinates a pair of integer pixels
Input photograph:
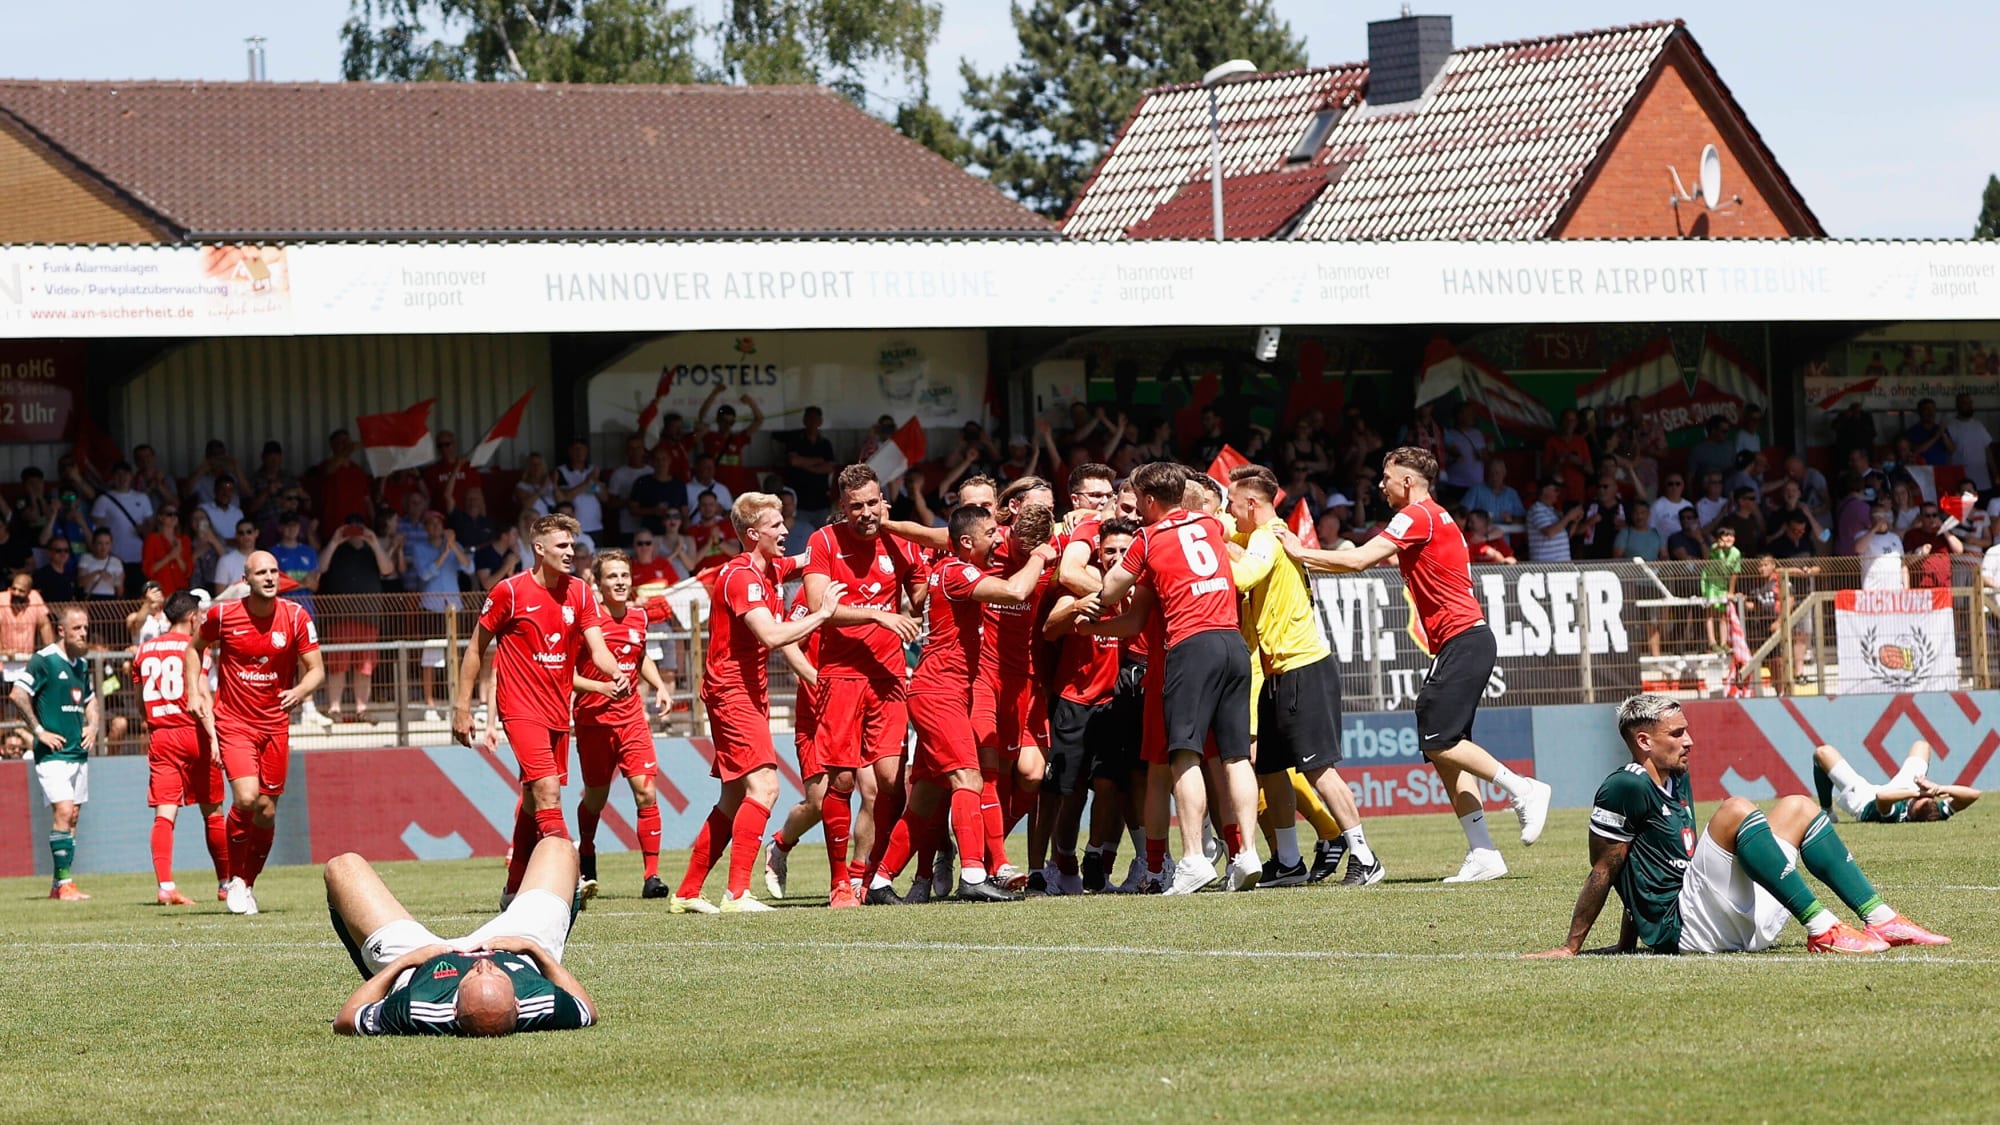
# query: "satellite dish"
{"type": "Point", "coordinates": [1711, 176]}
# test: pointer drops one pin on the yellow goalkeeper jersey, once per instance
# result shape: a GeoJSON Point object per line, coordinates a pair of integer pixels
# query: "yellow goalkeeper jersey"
{"type": "Point", "coordinates": [1278, 618]}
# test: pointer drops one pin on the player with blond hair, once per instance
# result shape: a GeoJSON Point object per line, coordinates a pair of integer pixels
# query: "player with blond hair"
{"type": "Point", "coordinates": [612, 734]}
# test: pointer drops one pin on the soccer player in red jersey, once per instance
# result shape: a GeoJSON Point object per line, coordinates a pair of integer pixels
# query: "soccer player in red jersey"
{"type": "Point", "coordinates": [612, 734]}
{"type": "Point", "coordinates": [863, 717]}
{"type": "Point", "coordinates": [809, 810]}
{"type": "Point", "coordinates": [260, 644]}
{"type": "Point", "coordinates": [1010, 714]}
{"type": "Point", "coordinates": [947, 760]}
{"type": "Point", "coordinates": [181, 755]}
{"type": "Point", "coordinates": [1205, 686]}
{"type": "Point", "coordinates": [1083, 718]}
{"type": "Point", "coordinates": [541, 619]}
{"type": "Point", "coordinates": [743, 628]}
{"type": "Point", "coordinates": [1430, 550]}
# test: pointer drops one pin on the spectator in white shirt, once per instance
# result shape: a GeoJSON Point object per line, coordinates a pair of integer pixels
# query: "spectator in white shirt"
{"type": "Point", "coordinates": [101, 574]}
{"type": "Point", "coordinates": [1673, 497]}
{"type": "Point", "coordinates": [618, 486]}
{"type": "Point", "coordinates": [124, 511]}
{"type": "Point", "coordinates": [1713, 503]}
{"type": "Point", "coordinates": [1972, 444]}
{"type": "Point", "coordinates": [224, 508]}
{"type": "Point", "coordinates": [230, 567]}
{"type": "Point", "coordinates": [1881, 550]}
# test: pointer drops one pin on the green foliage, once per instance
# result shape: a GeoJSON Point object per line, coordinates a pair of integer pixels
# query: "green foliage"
{"type": "Point", "coordinates": [618, 41]}
{"type": "Point", "coordinates": [1989, 210]}
{"type": "Point", "coordinates": [1040, 126]}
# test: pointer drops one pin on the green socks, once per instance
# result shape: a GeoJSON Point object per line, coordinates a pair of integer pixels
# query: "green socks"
{"type": "Point", "coordinates": [1764, 861]}
{"type": "Point", "coordinates": [1831, 863]}
{"type": "Point", "coordinates": [1822, 786]}
{"type": "Point", "coordinates": [62, 852]}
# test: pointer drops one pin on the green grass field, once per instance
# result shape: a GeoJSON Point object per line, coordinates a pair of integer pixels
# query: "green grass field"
{"type": "Point", "coordinates": [1403, 1000]}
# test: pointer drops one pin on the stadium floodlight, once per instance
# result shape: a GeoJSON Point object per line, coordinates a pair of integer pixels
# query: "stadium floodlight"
{"type": "Point", "coordinates": [1217, 77]}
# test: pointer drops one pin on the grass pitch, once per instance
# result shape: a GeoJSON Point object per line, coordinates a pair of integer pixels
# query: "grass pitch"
{"type": "Point", "coordinates": [1402, 1000]}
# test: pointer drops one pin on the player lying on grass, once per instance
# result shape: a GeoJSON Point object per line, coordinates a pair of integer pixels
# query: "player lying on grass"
{"type": "Point", "coordinates": [1908, 796]}
{"type": "Point", "coordinates": [503, 977]}
{"type": "Point", "coordinates": [1731, 890]}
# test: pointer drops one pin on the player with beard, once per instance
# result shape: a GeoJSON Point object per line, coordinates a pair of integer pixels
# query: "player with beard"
{"type": "Point", "coordinates": [863, 714]}
{"type": "Point", "coordinates": [260, 643]}
{"type": "Point", "coordinates": [947, 760]}
{"type": "Point", "coordinates": [612, 734]}
{"type": "Point", "coordinates": [1430, 550]}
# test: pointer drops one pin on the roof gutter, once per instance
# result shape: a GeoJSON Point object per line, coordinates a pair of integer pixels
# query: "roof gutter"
{"type": "Point", "coordinates": [234, 236]}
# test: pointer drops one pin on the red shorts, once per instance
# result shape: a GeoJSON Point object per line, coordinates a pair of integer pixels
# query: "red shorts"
{"type": "Point", "coordinates": [263, 754]}
{"type": "Point", "coordinates": [603, 751]}
{"type": "Point", "coordinates": [741, 731]}
{"type": "Point", "coordinates": [539, 752]}
{"type": "Point", "coordinates": [860, 722]}
{"type": "Point", "coordinates": [349, 632]}
{"type": "Point", "coordinates": [182, 773]}
{"type": "Point", "coordinates": [985, 721]}
{"type": "Point", "coordinates": [805, 724]}
{"type": "Point", "coordinates": [944, 737]}
{"type": "Point", "coordinates": [1021, 713]}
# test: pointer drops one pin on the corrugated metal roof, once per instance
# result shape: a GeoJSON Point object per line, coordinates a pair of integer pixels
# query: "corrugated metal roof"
{"type": "Point", "coordinates": [1493, 150]}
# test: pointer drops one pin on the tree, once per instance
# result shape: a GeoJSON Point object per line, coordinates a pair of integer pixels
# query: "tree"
{"type": "Point", "coordinates": [1989, 210]}
{"type": "Point", "coordinates": [1040, 126]}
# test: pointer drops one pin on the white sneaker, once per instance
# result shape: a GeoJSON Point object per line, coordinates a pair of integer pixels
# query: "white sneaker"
{"type": "Point", "coordinates": [1533, 810]}
{"type": "Point", "coordinates": [432, 716]}
{"type": "Point", "coordinates": [1010, 878]}
{"type": "Point", "coordinates": [1244, 871]}
{"type": "Point", "coordinates": [1481, 864]}
{"type": "Point", "coordinates": [310, 716]}
{"type": "Point", "coordinates": [744, 904]}
{"type": "Point", "coordinates": [586, 889]}
{"type": "Point", "coordinates": [241, 899]}
{"type": "Point", "coordinates": [777, 866]}
{"type": "Point", "coordinates": [1135, 877]}
{"type": "Point", "coordinates": [1191, 875]}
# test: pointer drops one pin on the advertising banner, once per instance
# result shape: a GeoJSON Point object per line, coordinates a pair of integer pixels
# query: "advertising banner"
{"type": "Point", "coordinates": [1896, 640]}
{"type": "Point", "coordinates": [41, 385]}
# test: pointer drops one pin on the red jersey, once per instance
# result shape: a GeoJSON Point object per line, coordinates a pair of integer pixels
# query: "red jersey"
{"type": "Point", "coordinates": [659, 572]}
{"type": "Point", "coordinates": [1436, 570]}
{"type": "Point", "coordinates": [256, 660]}
{"type": "Point", "coordinates": [874, 572]}
{"type": "Point", "coordinates": [536, 632]}
{"type": "Point", "coordinates": [1185, 556]}
{"type": "Point", "coordinates": [952, 649]}
{"type": "Point", "coordinates": [727, 449]}
{"type": "Point", "coordinates": [625, 636]}
{"type": "Point", "coordinates": [738, 664]}
{"type": "Point", "coordinates": [163, 669]}
{"type": "Point", "coordinates": [1087, 668]}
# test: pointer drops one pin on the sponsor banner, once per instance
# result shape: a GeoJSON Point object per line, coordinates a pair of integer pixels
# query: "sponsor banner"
{"type": "Point", "coordinates": [854, 377]}
{"type": "Point", "coordinates": [1896, 640]}
{"type": "Point", "coordinates": [339, 289]}
{"type": "Point", "coordinates": [1763, 748]}
{"type": "Point", "coordinates": [41, 383]}
{"type": "Point", "coordinates": [1900, 392]}
{"type": "Point", "coordinates": [1389, 776]}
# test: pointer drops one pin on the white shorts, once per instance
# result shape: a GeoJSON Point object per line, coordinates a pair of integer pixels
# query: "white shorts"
{"type": "Point", "coordinates": [63, 781]}
{"type": "Point", "coordinates": [1722, 909]}
{"type": "Point", "coordinates": [1855, 797]}
{"type": "Point", "coordinates": [536, 915]}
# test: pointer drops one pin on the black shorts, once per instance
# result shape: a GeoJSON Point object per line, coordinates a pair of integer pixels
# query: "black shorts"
{"type": "Point", "coordinates": [1079, 734]}
{"type": "Point", "coordinates": [1208, 689]}
{"type": "Point", "coordinates": [1298, 718]}
{"type": "Point", "coordinates": [1453, 688]}
{"type": "Point", "coordinates": [1118, 760]}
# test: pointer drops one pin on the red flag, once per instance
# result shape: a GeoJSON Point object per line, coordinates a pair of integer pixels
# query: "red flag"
{"type": "Point", "coordinates": [1228, 461]}
{"type": "Point", "coordinates": [399, 440]}
{"type": "Point", "coordinates": [507, 428]}
{"type": "Point", "coordinates": [906, 447]}
{"type": "Point", "coordinates": [650, 424]}
{"type": "Point", "coordinates": [1303, 526]}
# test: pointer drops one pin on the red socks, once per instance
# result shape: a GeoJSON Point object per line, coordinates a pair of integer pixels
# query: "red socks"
{"type": "Point", "coordinates": [971, 825]}
{"type": "Point", "coordinates": [259, 851]}
{"type": "Point", "coordinates": [649, 839]}
{"type": "Point", "coordinates": [586, 829]}
{"type": "Point", "coordinates": [993, 843]}
{"type": "Point", "coordinates": [1156, 853]}
{"type": "Point", "coordinates": [549, 822]}
{"type": "Point", "coordinates": [896, 856]}
{"type": "Point", "coordinates": [237, 829]}
{"type": "Point", "coordinates": [748, 832]}
{"type": "Point", "coordinates": [218, 845]}
{"type": "Point", "coordinates": [524, 845]}
{"type": "Point", "coordinates": [708, 845]}
{"type": "Point", "coordinates": [163, 849]}
{"type": "Point", "coordinates": [1066, 863]}
{"type": "Point", "coordinates": [1232, 837]}
{"type": "Point", "coordinates": [837, 816]}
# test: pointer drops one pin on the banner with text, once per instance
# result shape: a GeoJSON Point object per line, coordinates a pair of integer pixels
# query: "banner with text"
{"type": "Point", "coordinates": [1896, 640]}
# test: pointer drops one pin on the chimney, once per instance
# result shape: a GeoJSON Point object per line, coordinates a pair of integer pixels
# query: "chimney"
{"type": "Point", "coordinates": [1404, 55]}
{"type": "Point", "coordinates": [255, 45]}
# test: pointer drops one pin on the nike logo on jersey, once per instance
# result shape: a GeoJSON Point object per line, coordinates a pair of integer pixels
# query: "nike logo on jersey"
{"type": "Point", "coordinates": [530, 608]}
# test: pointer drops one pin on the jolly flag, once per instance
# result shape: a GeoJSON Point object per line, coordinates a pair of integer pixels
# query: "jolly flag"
{"type": "Point", "coordinates": [400, 440]}
{"type": "Point", "coordinates": [906, 447]}
{"type": "Point", "coordinates": [506, 429]}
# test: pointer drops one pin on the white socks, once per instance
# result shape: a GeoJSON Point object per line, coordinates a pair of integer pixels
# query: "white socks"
{"type": "Point", "coordinates": [1474, 826]}
{"type": "Point", "coordinates": [1288, 846]}
{"type": "Point", "coordinates": [1821, 923]}
{"type": "Point", "coordinates": [1883, 912]}
{"type": "Point", "coordinates": [1357, 845]}
{"type": "Point", "coordinates": [1516, 786]}
{"type": "Point", "coordinates": [972, 876]}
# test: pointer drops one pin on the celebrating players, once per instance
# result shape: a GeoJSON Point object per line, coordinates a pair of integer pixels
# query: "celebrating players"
{"type": "Point", "coordinates": [1430, 550]}
{"type": "Point", "coordinates": [541, 619]}
{"type": "Point", "coordinates": [1908, 796]}
{"type": "Point", "coordinates": [260, 644]}
{"type": "Point", "coordinates": [56, 696]}
{"type": "Point", "coordinates": [1086, 746]}
{"type": "Point", "coordinates": [181, 752]}
{"type": "Point", "coordinates": [612, 734]}
{"type": "Point", "coordinates": [745, 624]}
{"type": "Point", "coordinates": [1732, 890]}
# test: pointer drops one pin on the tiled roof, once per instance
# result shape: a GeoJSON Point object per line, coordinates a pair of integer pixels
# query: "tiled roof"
{"type": "Point", "coordinates": [448, 159]}
{"type": "Point", "coordinates": [1493, 150]}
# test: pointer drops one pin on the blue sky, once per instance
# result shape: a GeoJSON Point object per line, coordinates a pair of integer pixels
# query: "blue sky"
{"type": "Point", "coordinates": [1886, 117]}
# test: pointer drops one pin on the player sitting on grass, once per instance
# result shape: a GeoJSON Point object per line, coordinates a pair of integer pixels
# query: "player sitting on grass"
{"type": "Point", "coordinates": [1731, 890]}
{"type": "Point", "coordinates": [1908, 796]}
{"type": "Point", "coordinates": [503, 977]}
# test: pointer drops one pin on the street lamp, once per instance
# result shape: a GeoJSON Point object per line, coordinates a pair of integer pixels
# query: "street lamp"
{"type": "Point", "coordinates": [1228, 72]}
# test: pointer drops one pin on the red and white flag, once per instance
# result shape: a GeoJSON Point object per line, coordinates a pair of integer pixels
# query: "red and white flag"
{"type": "Point", "coordinates": [401, 440]}
{"type": "Point", "coordinates": [1302, 524]}
{"type": "Point", "coordinates": [1228, 461]}
{"type": "Point", "coordinates": [906, 447]}
{"type": "Point", "coordinates": [506, 429]}
{"type": "Point", "coordinates": [651, 424]}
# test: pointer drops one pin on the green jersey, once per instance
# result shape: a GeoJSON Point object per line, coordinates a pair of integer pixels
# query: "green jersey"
{"type": "Point", "coordinates": [1723, 564]}
{"type": "Point", "coordinates": [426, 1003]}
{"type": "Point", "coordinates": [62, 692]}
{"type": "Point", "coordinates": [1657, 824]}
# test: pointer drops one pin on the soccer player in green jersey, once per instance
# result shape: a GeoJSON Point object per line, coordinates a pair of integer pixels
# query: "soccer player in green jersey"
{"type": "Point", "coordinates": [1908, 796]}
{"type": "Point", "coordinates": [503, 977]}
{"type": "Point", "coordinates": [1732, 889]}
{"type": "Point", "coordinates": [56, 695]}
